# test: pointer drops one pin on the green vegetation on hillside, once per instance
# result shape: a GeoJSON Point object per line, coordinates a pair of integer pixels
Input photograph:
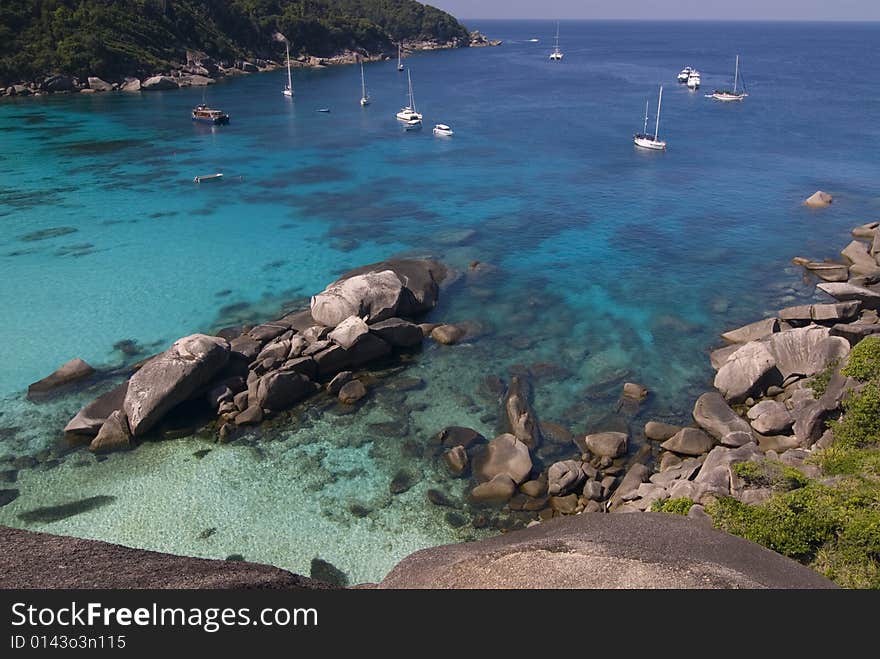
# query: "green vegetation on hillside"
{"type": "Point", "coordinates": [112, 38]}
{"type": "Point", "coordinates": [833, 525]}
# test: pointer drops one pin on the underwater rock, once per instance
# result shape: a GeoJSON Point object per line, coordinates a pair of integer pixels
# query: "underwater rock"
{"type": "Point", "coordinates": [521, 418]}
{"type": "Point", "coordinates": [327, 572]}
{"type": "Point", "coordinates": [635, 391]}
{"type": "Point", "coordinates": [439, 499]}
{"type": "Point", "coordinates": [75, 369]}
{"type": "Point", "coordinates": [352, 391]}
{"type": "Point", "coordinates": [45, 234]}
{"type": "Point", "coordinates": [113, 435]}
{"type": "Point", "coordinates": [172, 377]}
{"type": "Point", "coordinates": [8, 496]}
{"type": "Point", "coordinates": [456, 460]}
{"type": "Point", "coordinates": [496, 491]}
{"type": "Point", "coordinates": [338, 381]}
{"type": "Point", "coordinates": [47, 514]}
{"type": "Point", "coordinates": [447, 334]}
{"type": "Point", "coordinates": [88, 420]}
{"type": "Point", "coordinates": [402, 481]}
{"type": "Point", "coordinates": [452, 436]}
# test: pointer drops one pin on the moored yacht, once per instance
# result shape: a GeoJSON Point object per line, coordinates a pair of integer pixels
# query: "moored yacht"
{"type": "Point", "coordinates": [694, 81]}
{"type": "Point", "coordinates": [442, 130]}
{"type": "Point", "coordinates": [556, 55]}
{"type": "Point", "coordinates": [684, 74]}
{"type": "Point", "coordinates": [408, 113]}
{"type": "Point", "coordinates": [652, 142]}
{"type": "Point", "coordinates": [726, 94]}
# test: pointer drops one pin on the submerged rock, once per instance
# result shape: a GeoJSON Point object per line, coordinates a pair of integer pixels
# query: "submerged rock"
{"type": "Point", "coordinates": [325, 571]}
{"type": "Point", "coordinates": [75, 369]}
{"type": "Point", "coordinates": [88, 420]}
{"type": "Point", "coordinates": [496, 491]}
{"type": "Point", "coordinates": [113, 435]}
{"type": "Point", "coordinates": [351, 392]}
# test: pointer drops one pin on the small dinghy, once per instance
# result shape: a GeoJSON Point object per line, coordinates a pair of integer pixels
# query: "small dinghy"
{"type": "Point", "coordinates": [209, 177]}
{"type": "Point", "coordinates": [323, 109]}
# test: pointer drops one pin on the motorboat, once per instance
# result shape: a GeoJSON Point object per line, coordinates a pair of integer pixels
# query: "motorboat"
{"type": "Point", "coordinates": [442, 130]}
{"type": "Point", "coordinates": [694, 81]}
{"type": "Point", "coordinates": [206, 115]}
{"type": "Point", "coordinates": [208, 178]}
{"type": "Point", "coordinates": [684, 74]}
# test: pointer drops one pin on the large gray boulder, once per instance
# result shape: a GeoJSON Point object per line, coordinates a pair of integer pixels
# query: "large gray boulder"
{"type": "Point", "coordinates": [504, 455]}
{"type": "Point", "coordinates": [58, 83]}
{"type": "Point", "coordinates": [172, 377]}
{"type": "Point", "coordinates": [607, 444]}
{"type": "Point", "coordinates": [715, 416]}
{"type": "Point", "coordinates": [650, 550]}
{"type": "Point", "coordinates": [398, 332]}
{"type": "Point", "coordinates": [281, 389]}
{"type": "Point", "coordinates": [522, 421]}
{"type": "Point", "coordinates": [844, 292]}
{"type": "Point", "coordinates": [157, 83]}
{"type": "Point", "coordinates": [380, 291]}
{"type": "Point", "coordinates": [802, 352]}
{"type": "Point", "coordinates": [88, 420]}
{"type": "Point", "coordinates": [564, 477]}
{"type": "Point", "coordinates": [806, 350]}
{"type": "Point", "coordinates": [770, 417]}
{"type": "Point", "coordinates": [75, 369]}
{"type": "Point", "coordinates": [113, 435]}
{"type": "Point", "coordinates": [745, 371]}
{"type": "Point", "coordinates": [689, 441]}
{"type": "Point", "coordinates": [752, 331]}
{"type": "Point", "coordinates": [373, 295]}
{"type": "Point", "coordinates": [99, 85]}
{"type": "Point", "coordinates": [348, 332]}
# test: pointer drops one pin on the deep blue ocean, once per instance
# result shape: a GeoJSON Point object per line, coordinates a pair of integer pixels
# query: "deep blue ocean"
{"type": "Point", "coordinates": [603, 262]}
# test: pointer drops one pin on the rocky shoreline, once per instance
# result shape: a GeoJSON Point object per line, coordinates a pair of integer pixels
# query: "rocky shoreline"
{"type": "Point", "coordinates": [201, 70]}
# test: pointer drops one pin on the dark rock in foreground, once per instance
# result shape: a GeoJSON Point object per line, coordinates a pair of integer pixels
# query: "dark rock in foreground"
{"type": "Point", "coordinates": [40, 560]}
{"type": "Point", "coordinates": [651, 550]}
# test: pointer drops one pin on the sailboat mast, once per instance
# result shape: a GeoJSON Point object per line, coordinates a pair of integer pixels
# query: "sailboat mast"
{"type": "Point", "coordinates": [289, 80]}
{"type": "Point", "coordinates": [736, 74]}
{"type": "Point", "coordinates": [645, 129]}
{"type": "Point", "coordinates": [412, 99]}
{"type": "Point", "coordinates": [657, 126]}
{"type": "Point", "coordinates": [363, 83]}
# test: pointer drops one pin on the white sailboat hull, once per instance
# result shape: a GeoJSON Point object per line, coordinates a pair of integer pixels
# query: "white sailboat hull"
{"type": "Point", "coordinates": [288, 93]}
{"type": "Point", "coordinates": [408, 114]}
{"type": "Point", "coordinates": [365, 101]}
{"type": "Point", "coordinates": [648, 142]}
{"type": "Point", "coordinates": [728, 96]}
{"type": "Point", "coordinates": [556, 56]}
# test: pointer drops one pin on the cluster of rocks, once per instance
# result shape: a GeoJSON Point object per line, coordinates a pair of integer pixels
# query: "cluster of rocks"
{"type": "Point", "coordinates": [765, 409]}
{"type": "Point", "coordinates": [246, 376]}
{"type": "Point", "coordinates": [480, 40]}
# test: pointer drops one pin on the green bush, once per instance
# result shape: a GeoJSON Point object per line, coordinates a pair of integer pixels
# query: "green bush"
{"type": "Point", "coordinates": [860, 424]}
{"type": "Point", "coordinates": [864, 360]}
{"type": "Point", "coordinates": [770, 473]}
{"type": "Point", "coordinates": [677, 506]}
{"type": "Point", "coordinates": [819, 382]}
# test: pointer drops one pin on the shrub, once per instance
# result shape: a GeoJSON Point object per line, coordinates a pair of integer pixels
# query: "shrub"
{"type": "Point", "coordinates": [864, 360]}
{"type": "Point", "coordinates": [770, 473]}
{"type": "Point", "coordinates": [819, 382]}
{"type": "Point", "coordinates": [860, 424]}
{"type": "Point", "coordinates": [677, 506]}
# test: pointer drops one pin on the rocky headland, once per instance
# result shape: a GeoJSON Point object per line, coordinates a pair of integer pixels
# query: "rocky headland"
{"type": "Point", "coordinates": [201, 70]}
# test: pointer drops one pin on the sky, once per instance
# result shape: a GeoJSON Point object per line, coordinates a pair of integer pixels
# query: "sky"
{"type": "Point", "coordinates": [804, 10]}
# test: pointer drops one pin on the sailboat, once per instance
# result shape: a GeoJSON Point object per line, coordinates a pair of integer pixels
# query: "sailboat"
{"type": "Point", "coordinates": [556, 54]}
{"type": "Point", "coordinates": [365, 99]}
{"type": "Point", "coordinates": [646, 141]}
{"type": "Point", "coordinates": [408, 113]}
{"type": "Point", "coordinates": [399, 57]}
{"type": "Point", "coordinates": [726, 95]}
{"type": "Point", "coordinates": [288, 88]}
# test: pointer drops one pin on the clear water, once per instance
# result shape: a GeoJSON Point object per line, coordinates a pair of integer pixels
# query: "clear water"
{"type": "Point", "coordinates": [606, 262]}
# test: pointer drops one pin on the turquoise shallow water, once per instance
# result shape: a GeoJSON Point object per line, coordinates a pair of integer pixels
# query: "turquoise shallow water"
{"type": "Point", "coordinates": [606, 262]}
